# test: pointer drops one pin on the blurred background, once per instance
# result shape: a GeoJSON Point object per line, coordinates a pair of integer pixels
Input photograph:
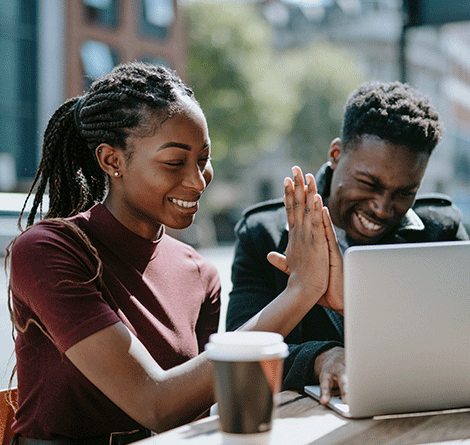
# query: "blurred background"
{"type": "Point", "coordinates": [272, 77]}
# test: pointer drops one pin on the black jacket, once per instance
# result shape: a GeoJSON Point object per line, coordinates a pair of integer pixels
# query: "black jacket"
{"type": "Point", "coordinates": [263, 228]}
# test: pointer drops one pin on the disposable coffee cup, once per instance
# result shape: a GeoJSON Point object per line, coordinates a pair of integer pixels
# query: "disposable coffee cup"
{"type": "Point", "coordinates": [247, 376]}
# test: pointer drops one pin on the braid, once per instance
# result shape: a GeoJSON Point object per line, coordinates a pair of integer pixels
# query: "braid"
{"type": "Point", "coordinates": [117, 106]}
{"type": "Point", "coordinates": [67, 168]}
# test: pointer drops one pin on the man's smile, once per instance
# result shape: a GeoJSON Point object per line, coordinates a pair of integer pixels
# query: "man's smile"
{"type": "Point", "coordinates": [368, 224]}
{"type": "Point", "coordinates": [365, 226]}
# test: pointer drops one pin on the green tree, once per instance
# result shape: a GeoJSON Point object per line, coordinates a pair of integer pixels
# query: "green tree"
{"type": "Point", "coordinates": [257, 98]}
{"type": "Point", "coordinates": [326, 75]}
{"type": "Point", "coordinates": [220, 46]}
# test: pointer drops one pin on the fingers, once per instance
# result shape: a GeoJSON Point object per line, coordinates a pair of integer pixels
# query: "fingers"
{"type": "Point", "coordinates": [333, 246]}
{"type": "Point", "coordinates": [325, 389]}
{"type": "Point", "coordinates": [317, 217]}
{"type": "Point", "coordinates": [289, 200]}
{"type": "Point", "coordinates": [333, 299]}
{"type": "Point", "coordinates": [307, 242]}
{"type": "Point", "coordinates": [311, 179]}
{"type": "Point", "coordinates": [329, 383]}
{"type": "Point", "coordinates": [279, 261]}
{"type": "Point", "coordinates": [343, 387]}
{"type": "Point", "coordinates": [301, 199]}
{"type": "Point", "coordinates": [331, 374]}
{"type": "Point", "coordinates": [331, 388]}
{"type": "Point", "coordinates": [310, 196]}
{"type": "Point", "coordinates": [299, 195]}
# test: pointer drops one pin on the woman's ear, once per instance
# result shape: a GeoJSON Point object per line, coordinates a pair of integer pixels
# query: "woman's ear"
{"type": "Point", "coordinates": [335, 152]}
{"type": "Point", "coordinates": [110, 159]}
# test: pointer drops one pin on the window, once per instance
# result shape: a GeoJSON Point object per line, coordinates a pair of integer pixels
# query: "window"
{"type": "Point", "coordinates": [18, 87]}
{"type": "Point", "coordinates": [158, 17]}
{"type": "Point", "coordinates": [101, 12]}
{"type": "Point", "coordinates": [97, 59]}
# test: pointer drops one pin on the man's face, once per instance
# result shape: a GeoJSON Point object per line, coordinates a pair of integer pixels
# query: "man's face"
{"type": "Point", "coordinates": [373, 186]}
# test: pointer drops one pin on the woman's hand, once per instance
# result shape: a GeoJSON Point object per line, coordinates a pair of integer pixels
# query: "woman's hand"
{"type": "Point", "coordinates": [297, 198]}
{"type": "Point", "coordinates": [308, 244]}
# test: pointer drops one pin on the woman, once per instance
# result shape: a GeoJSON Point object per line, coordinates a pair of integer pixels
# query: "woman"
{"type": "Point", "coordinates": [111, 313]}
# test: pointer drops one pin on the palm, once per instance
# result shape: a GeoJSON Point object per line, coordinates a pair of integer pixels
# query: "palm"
{"type": "Point", "coordinates": [333, 297]}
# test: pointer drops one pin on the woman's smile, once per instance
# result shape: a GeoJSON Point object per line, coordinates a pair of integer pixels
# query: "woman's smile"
{"type": "Point", "coordinates": [184, 207]}
{"type": "Point", "coordinates": [185, 204]}
{"type": "Point", "coordinates": [167, 174]}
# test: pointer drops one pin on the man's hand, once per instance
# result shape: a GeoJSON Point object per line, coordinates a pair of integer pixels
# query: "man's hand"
{"type": "Point", "coordinates": [329, 369]}
{"type": "Point", "coordinates": [307, 252]}
{"type": "Point", "coordinates": [333, 298]}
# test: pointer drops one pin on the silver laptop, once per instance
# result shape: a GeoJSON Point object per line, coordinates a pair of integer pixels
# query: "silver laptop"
{"type": "Point", "coordinates": [407, 329]}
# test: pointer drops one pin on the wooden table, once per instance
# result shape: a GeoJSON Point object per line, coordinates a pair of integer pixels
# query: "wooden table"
{"type": "Point", "coordinates": [300, 420]}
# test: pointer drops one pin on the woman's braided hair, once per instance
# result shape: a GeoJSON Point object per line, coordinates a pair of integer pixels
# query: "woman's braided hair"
{"type": "Point", "coordinates": [124, 103]}
{"type": "Point", "coordinates": [394, 112]}
{"type": "Point", "coordinates": [117, 106]}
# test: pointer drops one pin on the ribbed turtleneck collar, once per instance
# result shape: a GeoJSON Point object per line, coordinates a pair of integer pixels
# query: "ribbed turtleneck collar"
{"type": "Point", "coordinates": [119, 238]}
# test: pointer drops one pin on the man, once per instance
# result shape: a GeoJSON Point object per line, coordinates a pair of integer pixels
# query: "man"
{"type": "Point", "coordinates": [369, 185]}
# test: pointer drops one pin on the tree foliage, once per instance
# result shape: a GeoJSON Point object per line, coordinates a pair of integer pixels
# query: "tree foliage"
{"type": "Point", "coordinates": [256, 98]}
{"type": "Point", "coordinates": [326, 76]}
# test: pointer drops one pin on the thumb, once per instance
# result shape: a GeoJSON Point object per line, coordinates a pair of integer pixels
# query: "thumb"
{"type": "Point", "coordinates": [336, 258]}
{"type": "Point", "coordinates": [278, 260]}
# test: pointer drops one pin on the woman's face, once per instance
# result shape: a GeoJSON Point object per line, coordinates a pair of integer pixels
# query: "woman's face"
{"type": "Point", "coordinates": [163, 181]}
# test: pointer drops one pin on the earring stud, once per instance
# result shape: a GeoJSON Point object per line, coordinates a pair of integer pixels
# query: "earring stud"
{"type": "Point", "coordinates": [116, 173]}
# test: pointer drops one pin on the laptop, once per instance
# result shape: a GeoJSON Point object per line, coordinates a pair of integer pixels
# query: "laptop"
{"type": "Point", "coordinates": [407, 329]}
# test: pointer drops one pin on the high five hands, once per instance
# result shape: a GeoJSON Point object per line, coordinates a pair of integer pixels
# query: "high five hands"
{"type": "Point", "coordinates": [313, 259]}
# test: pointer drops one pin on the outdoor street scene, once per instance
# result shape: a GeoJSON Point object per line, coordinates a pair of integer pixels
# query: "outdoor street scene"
{"type": "Point", "coordinates": [313, 155]}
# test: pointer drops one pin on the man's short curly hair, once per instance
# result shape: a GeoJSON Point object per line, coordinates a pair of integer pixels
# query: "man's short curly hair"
{"type": "Point", "coordinates": [394, 112]}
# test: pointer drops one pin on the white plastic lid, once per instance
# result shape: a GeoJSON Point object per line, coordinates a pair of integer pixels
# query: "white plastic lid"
{"type": "Point", "coordinates": [246, 346]}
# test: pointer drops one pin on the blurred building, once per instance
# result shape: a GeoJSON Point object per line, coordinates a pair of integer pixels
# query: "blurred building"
{"type": "Point", "coordinates": [435, 59]}
{"type": "Point", "coordinates": [53, 49]}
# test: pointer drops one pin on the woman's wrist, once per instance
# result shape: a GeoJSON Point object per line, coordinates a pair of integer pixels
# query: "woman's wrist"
{"type": "Point", "coordinates": [300, 298]}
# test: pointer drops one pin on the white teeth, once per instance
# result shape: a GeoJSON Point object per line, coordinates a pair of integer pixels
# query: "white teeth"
{"type": "Point", "coordinates": [185, 204]}
{"type": "Point", "coordinates": [367, 224]}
